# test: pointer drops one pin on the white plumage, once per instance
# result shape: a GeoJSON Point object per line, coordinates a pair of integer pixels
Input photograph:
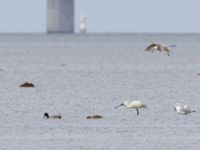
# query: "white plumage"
{"type": "Point", "coordinates": [133, 105]}
{"type": "Point", "coordinates": [183, 109]}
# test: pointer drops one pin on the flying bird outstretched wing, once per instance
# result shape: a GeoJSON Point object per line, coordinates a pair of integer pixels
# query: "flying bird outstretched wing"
{"type": "Point", "coordinates": [151, 46]}
{"type": "Point", "coordinates": [159, 47]}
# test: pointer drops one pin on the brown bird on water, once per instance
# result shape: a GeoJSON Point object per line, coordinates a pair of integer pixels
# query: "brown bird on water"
{"type": "Point", "coordinates": [159, 47]}
{"type": "Point", "coordinates": [94, 117]}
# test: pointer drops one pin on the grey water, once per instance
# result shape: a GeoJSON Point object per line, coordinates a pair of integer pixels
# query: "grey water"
{"type": "Point", "coordinates": [80, 75]}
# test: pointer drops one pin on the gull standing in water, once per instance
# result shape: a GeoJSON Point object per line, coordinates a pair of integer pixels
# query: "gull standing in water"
{"type": "Point", "coordinates": [133, 105]}
{"type": "Point", "coordinates": [183, 109]}
{"type": "Point", "coordinates": [159, 47]}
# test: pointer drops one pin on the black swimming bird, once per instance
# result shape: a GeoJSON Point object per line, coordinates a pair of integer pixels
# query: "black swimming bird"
{"type": "Point", "coordinates": [52, 117]}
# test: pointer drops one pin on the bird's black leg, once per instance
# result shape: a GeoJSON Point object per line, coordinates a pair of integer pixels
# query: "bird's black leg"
{"type": "Point", "coordinates": [137, 111]}
{"type": "Point", "coordinates": [168, 53]}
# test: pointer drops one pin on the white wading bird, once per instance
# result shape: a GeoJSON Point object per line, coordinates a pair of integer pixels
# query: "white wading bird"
{"type": "Point", "coordinates": [133, 105]}
{"type": "Point", "coordinates": [159, 47]}
{"type": "Point", "coordinates": [183, 109]}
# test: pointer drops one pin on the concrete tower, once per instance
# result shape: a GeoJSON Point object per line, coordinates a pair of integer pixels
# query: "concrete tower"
{"type": "Point", "coordinates": [60, 17]}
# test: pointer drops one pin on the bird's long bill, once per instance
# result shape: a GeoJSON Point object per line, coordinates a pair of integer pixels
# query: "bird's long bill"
{"type": "Point", "coordinates": [119, 105]}
{"type": "Point", "coordinates": [145, 106]}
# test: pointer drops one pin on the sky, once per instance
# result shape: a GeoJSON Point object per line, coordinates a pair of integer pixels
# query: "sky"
{"type": "Point", "coordinates": [134, 16]}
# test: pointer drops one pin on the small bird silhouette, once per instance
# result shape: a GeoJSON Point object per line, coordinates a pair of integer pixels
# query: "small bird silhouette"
{"type": "Point", "coordinates": [159, 47]}
{"type": "Point", "coordinates": [52, 117]}
{"type": "Point", "coordinates": [94, 117]}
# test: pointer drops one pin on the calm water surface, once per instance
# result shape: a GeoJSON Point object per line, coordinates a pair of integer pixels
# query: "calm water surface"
{"type": "Point", "coordinates": [80, 75]}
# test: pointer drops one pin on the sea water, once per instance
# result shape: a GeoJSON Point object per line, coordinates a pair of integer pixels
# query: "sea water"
{"type": "Point", "coordinates": [80, 75]}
